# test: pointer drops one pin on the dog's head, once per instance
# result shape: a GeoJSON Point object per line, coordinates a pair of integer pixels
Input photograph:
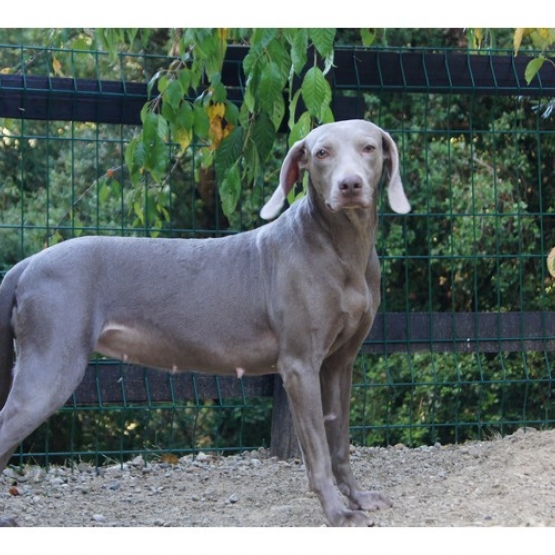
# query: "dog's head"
{"type": "Point", "coordinates": [345, 161]}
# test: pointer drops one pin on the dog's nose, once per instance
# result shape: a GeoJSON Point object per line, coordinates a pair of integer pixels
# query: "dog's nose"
{"type": "Point", "coordinates": [350, 185]}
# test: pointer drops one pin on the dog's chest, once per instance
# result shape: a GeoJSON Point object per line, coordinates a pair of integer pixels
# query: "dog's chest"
{"type": "Point", "coordinates": [356, 304]}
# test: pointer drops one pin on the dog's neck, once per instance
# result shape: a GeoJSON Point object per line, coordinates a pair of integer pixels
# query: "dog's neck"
{"type": "Point", "coordinates": [351, 231]}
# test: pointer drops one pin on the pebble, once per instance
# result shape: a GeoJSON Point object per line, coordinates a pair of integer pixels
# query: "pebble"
{"type": "Point", "coordinates": [9, 473]}
{"type": "Point", "coordinates": [138, 461]}
{"type": "Point", "coordinates": [203, 457]}
{"type": "Point", "coordinates": [85, 468]}
{"type": "Point", "coordinates": [230, 490]}
{"type": "Point", "coordinates": [115, 485]}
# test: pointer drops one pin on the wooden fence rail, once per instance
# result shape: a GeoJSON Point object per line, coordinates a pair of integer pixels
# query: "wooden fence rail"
{"type": "Point", "coordinates": [109, 382]}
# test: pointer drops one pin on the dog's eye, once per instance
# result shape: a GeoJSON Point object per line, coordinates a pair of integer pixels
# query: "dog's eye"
{"type": "Point", "coordinates": [322, 153]}
{"type": "Point", "coordinates": [369, 148]}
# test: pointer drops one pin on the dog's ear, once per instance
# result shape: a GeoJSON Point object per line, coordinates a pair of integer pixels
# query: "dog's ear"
{"type": "Point", "coordinates": [395, 192]}
{"type": "Point", "coordinates": [290, 173]}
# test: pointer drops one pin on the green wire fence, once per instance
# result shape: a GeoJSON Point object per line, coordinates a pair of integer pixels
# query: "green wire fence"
{"type": "Point", "coordinates": [463, 345]}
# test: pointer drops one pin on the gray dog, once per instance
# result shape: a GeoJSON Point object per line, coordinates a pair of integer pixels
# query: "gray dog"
{"type": "Point", "coordinates": [296, 296]}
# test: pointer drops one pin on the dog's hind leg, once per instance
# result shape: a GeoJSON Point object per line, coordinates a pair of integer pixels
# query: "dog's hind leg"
{"type": "Point", "coordinates": [40, 386]}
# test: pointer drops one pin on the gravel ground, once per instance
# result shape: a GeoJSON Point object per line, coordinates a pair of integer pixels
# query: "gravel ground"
{"type": "Point", "coordinates": [503, 482]}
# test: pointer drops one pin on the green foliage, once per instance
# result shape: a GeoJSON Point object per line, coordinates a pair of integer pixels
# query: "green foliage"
{"type": "Point", "coordinates": [179, 428]}
{"type": "Point", "coordinates": [473, 239]}
{"type": "Point", "coordinates": [422, 398]}
{"type": "Point", "coordinates": [191, 103]}
{"type": "Point", "coordinates": [542, 40]}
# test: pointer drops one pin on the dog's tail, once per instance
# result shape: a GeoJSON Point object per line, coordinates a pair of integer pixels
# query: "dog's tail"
{"type": "Point", "coordinates": [7, 349]}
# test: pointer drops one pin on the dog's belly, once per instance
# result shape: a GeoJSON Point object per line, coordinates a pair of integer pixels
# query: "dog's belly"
{"type": "Point", "coordinates": [254, 355]}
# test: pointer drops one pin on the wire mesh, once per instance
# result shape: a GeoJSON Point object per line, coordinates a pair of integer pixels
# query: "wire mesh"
{"type": "Point", "coordinates": [477, 163]}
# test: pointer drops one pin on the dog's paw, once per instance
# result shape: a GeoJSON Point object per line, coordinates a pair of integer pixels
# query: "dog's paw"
{"type": "Point", "coordinates": [369, 501]}
{"type": "Point", "coordinates": [348, 518]}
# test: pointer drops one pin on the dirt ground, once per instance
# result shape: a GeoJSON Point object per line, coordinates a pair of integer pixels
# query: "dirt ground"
{"type": "Point", "coordinates": [503, 482]}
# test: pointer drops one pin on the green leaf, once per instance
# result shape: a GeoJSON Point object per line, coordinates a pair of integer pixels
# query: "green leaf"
{"type": "Point", "coordinates": [135, 157]}
{"type": "Point", "coordinates": [293, 108]}
{"type": "Point", "coordinates": [279, 56]}
{"type": "Point", "coordinates": [252, 59]}
{"type": "Point", "coordinates": [231, 113]}
{"type": "Point", "coordinates": [327, 115]}
{"type": "Point", "coordinates": [201, 123]}
{"type": "Point", "coordinates": [277, 111]}
{"type": "Point", "coordinates": [81, 44]}
{"type": "Point", "coordinates": [263, 135]}
{"type": "Point", "coordinates": [228, 152]}
{"type": "Point", "coordinates": [298, 39]}
{"type": "Point", "coordinates": [184, 77]}
{"type": "Point", "coordinates": [173, 94]}
{"type": "Point", "coordinates": [109, 39]}
{"type": "Point", "coordinates": [162, 128]}
{"type": "Point", "coordinates": [163, 82]}
{"type": "Point", "coordinates": [156, 160]}
{"type": "Point", "coordinates": [249, 98]}
{"type": "Point", "coordinates": [301, 128]}
{"type": "Point", "coordinates": [270, 86]}
{"type": "Point", "coordinates": [104, 193]}
{"type": "Point", "coordinates": [368, 36]}
{"type": "Point", "coordinates": [263, 35]}
{"type": "Point", "coordinates": [533, 68]}
{"type": "Point", "coordinates": [168, 112]}
{"type": "Point", "coordinates": [323, 40]}
{"type": "Point", "coordinates": [219, 92]}
{"type": "Point", "coordinates": [185, 117]}
{"type": "Point", "coordinates": [316, 92]}
{"type": "Point", "coordinates": [150, 127]}
{"type": "Point", "coordinates": [229, 189]}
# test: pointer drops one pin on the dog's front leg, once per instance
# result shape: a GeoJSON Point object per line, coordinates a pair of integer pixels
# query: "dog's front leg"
{"type": "Point", "coordinates": [336, 400]}
{"type": "Point", "coordinates": [302, 384]}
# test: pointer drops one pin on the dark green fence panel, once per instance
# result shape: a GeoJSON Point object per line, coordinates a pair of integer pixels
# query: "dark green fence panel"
{"type": "Point", "coordinates": [462, 347]}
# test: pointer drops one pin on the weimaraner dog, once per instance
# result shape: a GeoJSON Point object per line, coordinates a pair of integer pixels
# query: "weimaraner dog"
{"type": "Point", "coordinates": [296, 296]}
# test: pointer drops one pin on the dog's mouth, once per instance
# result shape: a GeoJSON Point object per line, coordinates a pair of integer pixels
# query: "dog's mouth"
{"type": "Point", "coordinates": [347, 204]}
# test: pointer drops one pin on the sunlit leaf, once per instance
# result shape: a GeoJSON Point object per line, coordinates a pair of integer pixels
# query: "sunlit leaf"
{"type": "Point", "coordinates": [57, 66]}
{"type": "Point", "coordinates": [533, 68]}
{"type": "Point", "coordinates": [517, 39]}
{"type": "Point", "coordinates": [368, 36]}
{"type": "Point", "coordinates": [551, 262]}
{"type": "Point", "coordinates": [182, 136]}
